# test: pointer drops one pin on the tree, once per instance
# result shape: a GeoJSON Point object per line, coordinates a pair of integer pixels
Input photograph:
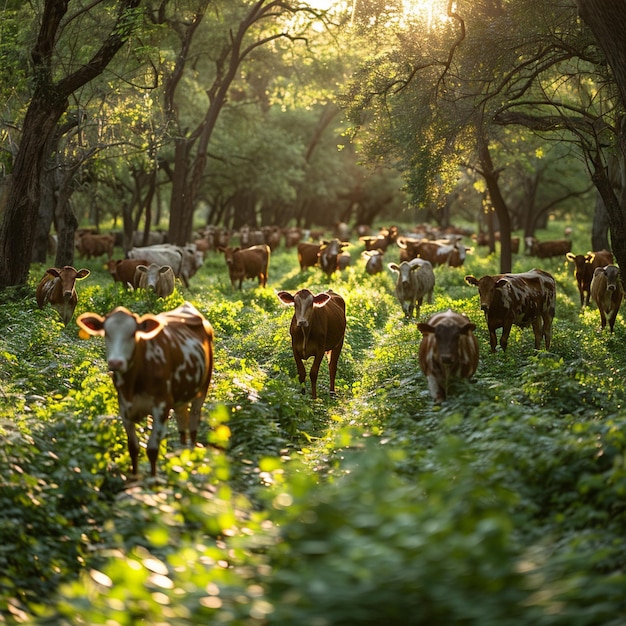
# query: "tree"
{"type": "Point", "coordinates": [50, 100]}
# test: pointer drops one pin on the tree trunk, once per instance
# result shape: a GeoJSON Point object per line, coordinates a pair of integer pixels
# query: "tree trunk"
{"type": "Point", "coordinates": [600, 226]}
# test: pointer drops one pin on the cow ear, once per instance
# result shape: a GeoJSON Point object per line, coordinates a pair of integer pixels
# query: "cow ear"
{"type": "Point", "coordinates": [53, 271]}
{"type": "Point", "coordinates": [425, 328]}
{"type": "Point", "coordinates": [148, 326]}
{"type": "Point", "coordinates": [285, 297]}
{"type": "Point", "coordinates": [321, 299]}
{"type": "Point", "coordinates": [469, 327]}
{"type": "Point", "coordinates": [570, 256]}
{"type": "Point", "coordinates": [90, 324]}
{"type": "Point", "coordinates": [82, 274]}
{"type": "Point", "coordinates": [500, 283]}
{"type": "Point", "coordinates": [165, 268]}
{"type": "Point", "coordinates": [141, 268]}
{"type": "Point", "coordinates": [393, 267]}
{"type": "Point", "coordinates": [471, 280]}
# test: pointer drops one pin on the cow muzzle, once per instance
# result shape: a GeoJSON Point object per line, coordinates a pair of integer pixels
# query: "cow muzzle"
{"type": "Point", "coordinates": [117, 365]}
{"type": "Point", "coordinates": [303, 324]}
{"type": "Point", "coordinates": [484, 308]}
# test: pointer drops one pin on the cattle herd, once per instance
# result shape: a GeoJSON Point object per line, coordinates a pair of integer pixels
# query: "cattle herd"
{"type": "Point", "coordinates": [164, 363]}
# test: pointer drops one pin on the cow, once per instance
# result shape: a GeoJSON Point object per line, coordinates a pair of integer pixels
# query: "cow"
{"type": "Point", "coordinates": [250, 262]}
{"type": "Point", "coordinates": [308, 254]}
{"type": "Point", "coordinates": [185, 261]}
{"type": "Point", "coordinates": [344, 260]}
{"type": "Point", "coordinates": [157, 278]}
{"type": "Point", "coordinates": [584, 266]}
{"type": "Point", "coordinates": [123, 270]}
{"type": "Point", "coordinates": [442, 252]}
{"type": "Point", "coordinates": [90, 245]}
{"type": "Point", "coordinates": [293, 235]}
{"type": "Point", "coordinates": [58, 289]}
{"type": "Point", "coordinates": [448, 350]}
{"type": "Point", "coordinates": [415, 280]}
{"type": "Point", "coordinates": [382, 241]}
{"type": "Point", "coordinates": [318, 326]}
{"type": "Point", "coordinates": [329, 255]}
{"type": "Point", "coordinates": [607, 292]}
{"type": "Point", "coordinates": [521, 299]}
{"type": "Point", "coordinates": [547, 249]}
{"type": "Point", "coordinates": [374, 261]}
{"type": "Point", "coordinates": [159, 363]}
{"type": "Point", "coordinates": [272, 236]}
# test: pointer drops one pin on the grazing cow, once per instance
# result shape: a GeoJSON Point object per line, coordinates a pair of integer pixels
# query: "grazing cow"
{"type": "Point", "coordinates": [547, 249]}
{"type": "Point", "coordinates": [58, 289]}
{"type": "Point", "coordinates": [374, 261]}
{"type": "Point", "coordinates": [185, 261]}
{"type": "Point", "coordinates": [521, 299]}
{"type": "Point", "coordinates": [123, 270]}
{"type": "Point", "coordinates": [308, 254]}
{"type": "Point", "coordinates": [443, 252]}
{"type": "Point", "coordinates": [159, 363]}
{"type": "Point", "coordinates": [329, 255]}
{"type": "Point", "coordinates": [89, 245]}
{"type": "Point", "coordinates": [318, 326]}
{"type": "Point", "coordinates": [250, 262]}
{"type": "Point", "coordinates": [382, 241]}
{"type": "Point", "coordinates": [607, 292]}
{"type": "Point", "coordinates": [293, 235]}
{"type": "Point", "coordinates": [157, 278]}
{"type": "Point", "coordinates": [584, 266]}
{"type": "Point", "coordinates": [416, 279]}
{"type": "Point", "coordinates": [448, 350]}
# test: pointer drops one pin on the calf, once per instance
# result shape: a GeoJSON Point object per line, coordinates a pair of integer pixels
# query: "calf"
{"type": "Point", "coordinates": [607, 292]}
{"type": "Point", "coordinates": [374, 261]}
{"type": "Point", "coordinates": [448, 350]}
{"type": "Point", "coordinates": [547, 249]}
{"type": "Point", "coordinates": [58, 289]}
{"type": "Point", "coordinates": [416, 279]}
{"type": "Point", "coordinates": [329, 254]}
{"type": "Point", "coordinates": [157, 278]}
{"type": "Point", "coordinates": [308, 254]}
{"type": "Point", "coordinates": [185, 261]}
{"type": "Point", "coordinates": [318, 326]}
{"type": "Point", "coordinates": [123, 270]}
{"type": "Point", "coordinates": [250, 262]}
{"type": "Point", "coordinates": [521, 299]}
{"type": "Point", "coordinates": [160, 363]}
{"type": "Point", "coordinates": [584, 266]}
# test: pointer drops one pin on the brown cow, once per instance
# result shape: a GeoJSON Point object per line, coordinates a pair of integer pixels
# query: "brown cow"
{"type": "Point", "coordinates": [329, 255]}
{"type": "Point", "coordinates": [159, 363]}
{"type": "Point", "coordinates": [520, 299]}
{"type": "Point", "coordinates": [547, 249]}
{"type": "Point", "coordinates": [382, 241]}
{"type": "Point", "coordinates": [318, 326]}
{"type": "Point", "coordinates": [308, 254]}
{"type": "Point", "coordinates": [448, 350]}
{"type": "Point", "coordinates": [123, 270]}
{"type": "Point", "coordinates": [374, 261]}
{"type": "Point", "coordinates": [443, 252]}
{"type": "Point", "coordinates": [58, 288]}
{"type": "Point", "coordinates": [607, 292]}
{"type": "Point", "coordinates": [250, 262]}
{"type": "Point", "coordinates": [89, 245]}
{"type": "Point", "coordinates": [584, 266]}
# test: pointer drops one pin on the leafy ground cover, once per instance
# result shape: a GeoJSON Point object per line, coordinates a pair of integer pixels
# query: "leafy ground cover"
{"type": "Point", "coordinates": [504, 505]}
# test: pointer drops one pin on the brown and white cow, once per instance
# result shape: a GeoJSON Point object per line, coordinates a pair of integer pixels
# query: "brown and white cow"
{"type": "Point", "coordinates": [123, 270]}
{"type": "Point", "coordinates": [448, 350]}
{"type": "Point", "coordinates": [374, 261]}
{"type": "Point", "coordinates": [308, 254]}
{"type": "Point", "coordinates": [157, 278]}
{"type": "Point", "coordinates": [547, 249]}
{"type": "Point", "coordinates": [607, 292]}
{"type": "Point", "coordinates": [521, 299]}
{"type": "Point", "coordinates": [58, 289]}
{"type": "Point", "coordinates": [318, 326]}
{"type": "Point", "coordinates": [246, 263]}
{"type": "Point", "coordinates": [415, 280]}
{"type": "Point", "coordinates": [584, 266]}
{"type": "Point", "coordinates": [329, 255]}
{"type": "Point", "coordinates": [160, 363]}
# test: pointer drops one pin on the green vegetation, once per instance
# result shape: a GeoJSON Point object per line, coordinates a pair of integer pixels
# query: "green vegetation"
{"type": "Point", "coordinates": [505, 505]}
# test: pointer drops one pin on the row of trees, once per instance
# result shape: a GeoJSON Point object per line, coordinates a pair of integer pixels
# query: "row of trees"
{"type": "Point", "coordinates": [144, 109]}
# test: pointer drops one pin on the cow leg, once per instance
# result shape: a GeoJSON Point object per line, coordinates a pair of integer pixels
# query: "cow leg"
{"type": "Point", "coordinates": [493, 339]}
{"type": "Point", "coordinates": [437, 392]}
{"type": "Point", "coordinates": [315, 368]}
{"type": "Point", "coordinates": [332, 366]}
{"type": "Point", "coordinates": [133, 443]}
{"type": "Point", "coordinates": [182, 419]}
{"type": "Point", "coordinates": [159, 423]}
{"type": "Point", "coordinates": [538, 331]}
{"type": "Point", "coordinates": [301, 372]}
{"type": "Point", "coordinates": [504, 339]}
{"type": "Point", "coordinates": [547, 330]}
{"type": "Point", "coordinates": [194, 419]}
{"type": "Point", "coordinates": [612, 317]}
{"type": "Point", "coordinates": [602, 316]}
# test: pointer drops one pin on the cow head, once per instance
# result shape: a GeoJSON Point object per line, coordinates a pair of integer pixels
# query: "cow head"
{"type": "Point", "coordinates": [68, 277]}
{"type": "Point", "coordinates": [487, 286]}
{"type": "Point", "coordinates": [447, 332]}
{"type": "Point", "coordinates": [613, 276]}
{"type": "Point", "coordinates": [121, 329]}
{"type": "Point", "coordinates": [303, 302]}
{"type": "Point", "coordinates": [152, 273]}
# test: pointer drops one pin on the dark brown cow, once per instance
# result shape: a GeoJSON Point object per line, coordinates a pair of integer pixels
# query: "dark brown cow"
{"type": "Point", "coordinates": [382, 241]}
{"type": "Point", "coordinates": [607, 292]}
{"type": "Point", "coordinates": [521, 299]}
{"type": "Point", "coordinates": [443, 252]}
{"type": "Point", "coordinates": [58, 289]}
{"type": "Point", "coordinates": [374, 261]}
{"type": "Point", "coordinates": [308, 254]}
{"type": "Point", "coordinates": [329, 255]}
{"type": "Point", "coordinates": [89, 245]}
{"type": "Point", "coordinates": [584, 266]}
{"type": "Point", "coordinates": [250, 262]}
{"type": "Point", "coordinates": [159, 363]}
{"type": "Point", "coordinates": [293, 234]}
{"type": "Point", "coordinates": [547, 249]}
{"type": "Point", "coordinates": [318, 326]}
{"type": "Point", "coordinates": [123, 270]}
{"type": "Point", "coordinates": [448, 350]}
